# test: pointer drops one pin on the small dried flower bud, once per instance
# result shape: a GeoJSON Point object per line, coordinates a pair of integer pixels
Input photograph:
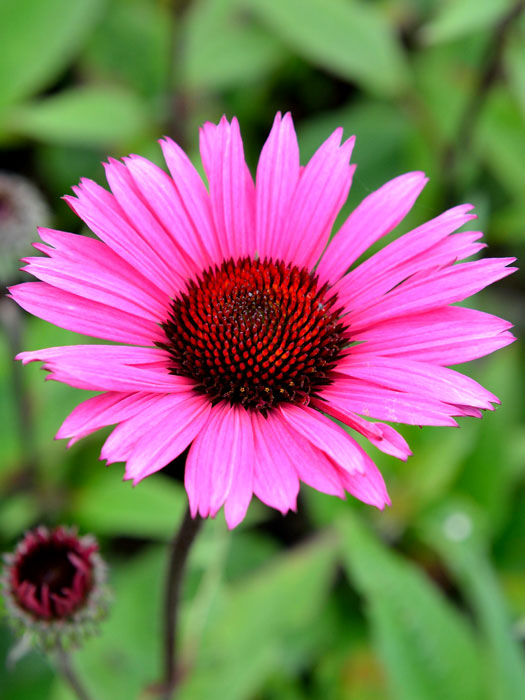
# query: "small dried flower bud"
{"type": "Point", "coordinates": [54, 584]}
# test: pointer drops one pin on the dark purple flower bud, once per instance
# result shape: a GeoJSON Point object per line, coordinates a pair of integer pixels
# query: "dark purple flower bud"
{"type": "Point", "coordinates": [54, 584]}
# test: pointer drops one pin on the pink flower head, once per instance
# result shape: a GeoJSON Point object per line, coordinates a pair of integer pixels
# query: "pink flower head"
{"type": "Point", "coordinates": [243, 334]}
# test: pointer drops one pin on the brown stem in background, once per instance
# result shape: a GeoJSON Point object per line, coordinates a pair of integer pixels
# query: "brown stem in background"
{"type": "Point", "coordinates": [68, 672]}
{"type": "Point", "coordinates": [489, 73]}
{"type": "Point", "coordinates": [12, 321]}
{"type": "Point", "coordinates": [180, 549]}
{"type": "Point", "coordinates": [176, 101]}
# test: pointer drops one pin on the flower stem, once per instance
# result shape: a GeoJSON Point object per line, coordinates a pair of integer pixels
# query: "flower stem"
{"type": "Point", "coordinates": [68, 672]}
{"type": "Point", "coordinates": [180, 549]}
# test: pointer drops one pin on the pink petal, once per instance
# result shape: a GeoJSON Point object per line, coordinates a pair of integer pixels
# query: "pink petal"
{"type": "Point", "coordinates": [220, 464]}
{"type": "Point", "coordinates": [375, 401]}
{"type": "Point", "coordinates": [277, 178]}
{"type": "Point", "coordinates": [375, 217]}
{"type": "Point", "coordinates": [140, 213]}
{"type": "Point", "coordinates": [312, 466]}
{"type": "Point", "coordinates": [102, 410]}
{"type": "Point", "coordinates": [102, 213]}
{"type": "Point", "coordinates": [171, 429]}
{"type": "Point", "coordinates": [400, 258]}
{"type": "Point", "coordinates": [382, 436]}
{"type": "Point", "coordinates": [275, 479]}
{"type": "Point", "coordinates": [368, 487]}
{"type": "Point", "coordinates": [432, 289]}
{"type": "Point", "coordinates": [325, 435]}
{"type": "Point", "coordinates": [134, 433]}
{"type": "Point", "coordinates": [91, 283]}
{"type": "Point", "coordinates": [322, 189]}
{"type": "Point", "coordinates": [162, 197]}
{"type": "Point", "coordinates": [445, 336]}
{"type": "Point", "coordinates": [193, 197]}
{"type": "Point", "coordinates": [443, 254]}
{"type": "Point", "coordinates": [81, 315]}
{"type": "Point", "coordinates": [232, 190]}
{"type": "Point", "coordinates": [110, 368]}
{"type": "Point", "coordinates": [426, 380]}
{"type": "Point", "coordinates": [90, 261]}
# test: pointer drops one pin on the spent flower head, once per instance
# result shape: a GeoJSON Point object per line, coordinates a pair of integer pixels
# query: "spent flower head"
{"type": "Point", "coordinates": [54, 585]}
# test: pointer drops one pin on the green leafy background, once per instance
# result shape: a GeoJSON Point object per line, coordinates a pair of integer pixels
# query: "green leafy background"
{"type": "Point", "coordinates": [425, 601]}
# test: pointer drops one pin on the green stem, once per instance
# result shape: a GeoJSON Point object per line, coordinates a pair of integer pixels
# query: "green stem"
{"type": "Point", "coordinates": [180, 549]}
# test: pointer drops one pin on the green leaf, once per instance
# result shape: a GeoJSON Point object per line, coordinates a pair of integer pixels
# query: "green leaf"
{"type": "Point", "coordinates": [89, 116]}
{"type": "Point", "coordinates": [454, 531]}
{"type": "Point", "coordinates": [132, 44]}
{"type": "Point", "coordinates": [260, 621]}
{"type": "Point", "coordinates": [39, 39]}
{"type": "Point", "coordinates": [457, 18]}
{"type": "Point", "coordinates": [493, 488]}
{"type": "Point", "coordinates": [499, 140]}
{"type": "Point", "coordinates": [515, 67]}
{"type": "Point", "coordinates": [109, 506]}
{"type": "Point", "coordinates": [351, 39]}
{"type": "Point", "coordinates": [428, 649]}
{"type": "Point", "coordinates": [229, 56]}
{"type": "Point", "coordinates": [30, 679]}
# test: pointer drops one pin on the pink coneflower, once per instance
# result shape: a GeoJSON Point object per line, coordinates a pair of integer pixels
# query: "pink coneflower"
{"type": "Point", "coordinates": [243, 335]}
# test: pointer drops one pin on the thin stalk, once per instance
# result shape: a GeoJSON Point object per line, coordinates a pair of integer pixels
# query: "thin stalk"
{"type": "Point", "coordinates": [68, 672]}
{"type": "Point", "coordinates": [180, 549]}
{"type": "Point", "coordinates": [490, 71]}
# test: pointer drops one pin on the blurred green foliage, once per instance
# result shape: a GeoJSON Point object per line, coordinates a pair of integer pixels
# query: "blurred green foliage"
{"type": "Point", "coordinates": [425, 601]}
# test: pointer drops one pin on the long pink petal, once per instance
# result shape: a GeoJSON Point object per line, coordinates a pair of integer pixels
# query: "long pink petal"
{"type": "Point", "coordinates": [324, 434]}
{"type": "Point", "coordinates": [193, 196]}
{"type": "Point", "coordinates": [131, 436]}
{"type": "Point", "coordinates": [443, 254]}
{"type": "Point", "coordinates": [376, 216]}
{"type": "Point", "coordinates": [162, 197]}
{"type": "Point", "coordinates": [84, 316]}
{"type": "Point", "coordinates": [143, 218]}
{"type": "Point", "coordinates": [277, 178]}
{"type": "Point", "coordinates": [99, 209]}
{"type": "Point", "coordinates": [445, 336]}
{"type": "Point", "coordinates": [407, 375]}
{"type": "Point", "coordinates": [99, 411]}
{"type": "Point", "coordinates": [232, 191]}
{"type": "Point", "coordinates": [409, 252]}
{"type": "Point", "coordinates": [91, 283]}
{"type": "Point", "coordinates": [369, 486]}
{"type": "Point", "coordinates": [412, 244]}
{"type": "Point", "coordinates": [433, 289]}
{"type": "Point", "coordinates": [171, 430]}
{"type": "Point", "coordinates": [374, 401]}
{"type": "Point", "coordinates": [93, 260]}
{"type": "Point", "coordinates": [110, 368]}
{"type": "Point", "coordinates": [275, 480]}
{"type": "Point", "coordinates": [320, 193]}
{"type": "Point", "coordinates": [241, 489]}
{"type": "Point", "coordinates": [220, 464]}
{"type": "Point", "coordinates": [311, 464]}
{"type": "Point", "coordinates": [382, 436]}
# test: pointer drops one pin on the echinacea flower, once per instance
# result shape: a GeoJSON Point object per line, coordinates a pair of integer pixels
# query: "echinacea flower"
{"type": "Point", "coordinates": [54, 585]}
{"type": "Point", "coordinates": [242, 332]}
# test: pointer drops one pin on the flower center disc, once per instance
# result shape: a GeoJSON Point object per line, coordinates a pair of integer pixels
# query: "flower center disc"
{"type": "Point", "coordinates": [256, 333]}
